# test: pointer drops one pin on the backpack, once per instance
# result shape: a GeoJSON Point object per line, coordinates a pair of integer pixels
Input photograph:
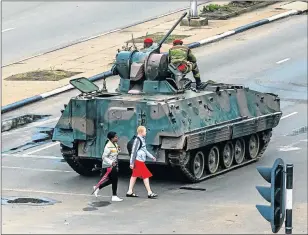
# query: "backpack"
{"type": "Point", "coordinates": [131, 142]}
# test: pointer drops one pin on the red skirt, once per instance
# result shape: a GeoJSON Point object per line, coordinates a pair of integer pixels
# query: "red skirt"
{"type": "Point", "coordinates": [140, 170]}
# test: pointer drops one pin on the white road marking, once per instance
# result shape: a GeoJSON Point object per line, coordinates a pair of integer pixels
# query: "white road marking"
{"type": "Point", "coordinates": [289, 115]}
{"type": "Point", "coordinates": [49, 192]}
{"type": "Point", "coordinates": [291, 147]}
{"type": "Point", "coordinates": [36, 169]}
{"type": "Point", "coordinates": [282, 61]}
{"type": "Point", "coordinates": [28, 127]}
{"type": "Point", "coordinates": [30, 156]}
{"type": "Point", "coordinates": [46, 147]}
{"type": "Point", "coordinates": [9, 29]}
{"type": "Point", "coordinates": [288, 148]}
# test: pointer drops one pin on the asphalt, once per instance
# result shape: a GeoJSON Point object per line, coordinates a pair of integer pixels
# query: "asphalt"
{"type": "Point", "coordinates": [29, 28]}
{"type": "Point", "coordinates": [272, 58]}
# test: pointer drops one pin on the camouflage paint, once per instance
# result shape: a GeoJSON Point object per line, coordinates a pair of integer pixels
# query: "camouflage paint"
{"type": "Point", "coordinates": [201, 118]}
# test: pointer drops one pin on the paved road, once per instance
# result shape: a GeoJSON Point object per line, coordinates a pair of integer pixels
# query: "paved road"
{"type": "Point", "coordinates": [270, 58]}
{"type": "Point", "coordinates": [29, 28]}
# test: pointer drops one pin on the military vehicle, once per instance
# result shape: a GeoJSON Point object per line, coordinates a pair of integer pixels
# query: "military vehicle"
{"type": "Point", "coordinates": [201, 132]}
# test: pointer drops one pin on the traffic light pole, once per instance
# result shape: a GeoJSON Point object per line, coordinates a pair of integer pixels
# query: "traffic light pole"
{"type": "Point", "coordinates": [289, 188]}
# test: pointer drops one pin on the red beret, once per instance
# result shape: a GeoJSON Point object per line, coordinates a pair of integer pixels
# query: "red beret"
{"type": "Point", "coordinates": [148, 40]}
{"type": "Point", "coordinates": [176, 41]}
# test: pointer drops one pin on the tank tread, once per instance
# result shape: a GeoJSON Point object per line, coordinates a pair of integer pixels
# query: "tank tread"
{"type": "Point", "coordinates": [193, 179]}
{"type": "Point", "coordinates": [69, 155]}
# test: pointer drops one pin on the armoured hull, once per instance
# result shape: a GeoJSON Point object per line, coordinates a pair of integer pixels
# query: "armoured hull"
{"type": "Point", "coordinates": [199, 132]}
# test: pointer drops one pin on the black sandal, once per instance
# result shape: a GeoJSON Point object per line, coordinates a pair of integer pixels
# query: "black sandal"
{"type": "Point", "coordinates": [152, 195]}
{"type": "Point", "coordinates": [131, 195]}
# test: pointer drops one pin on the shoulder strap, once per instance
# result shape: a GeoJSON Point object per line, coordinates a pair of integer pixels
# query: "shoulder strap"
{"type": "Point", "coordinates": [114, 145]}
{"type": "Point", "coordinates": [140, 145]}
{"type": "Point", "coordinates": [106, 143]}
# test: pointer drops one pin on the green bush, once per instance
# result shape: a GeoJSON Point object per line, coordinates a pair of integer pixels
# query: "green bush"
{"type": "Point", "coordinates": [211, 8]}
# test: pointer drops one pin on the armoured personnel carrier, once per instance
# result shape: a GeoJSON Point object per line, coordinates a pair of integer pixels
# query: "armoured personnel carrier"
{"type": "Point", "coordinates": [202, 132]}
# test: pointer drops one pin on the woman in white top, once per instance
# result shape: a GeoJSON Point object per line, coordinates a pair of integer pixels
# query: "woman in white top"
{"type": "Point", "coordinates": [110, 160]}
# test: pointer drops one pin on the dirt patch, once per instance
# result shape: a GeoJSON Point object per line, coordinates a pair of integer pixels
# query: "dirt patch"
{"type": "Point", "coordinates": [41, 136]}
{"type": "Point", "coordinates": [28, 201]}
{"type": "Point", "coordinates": [42, 75]}
{"type": "Point", "coordinates": [157, 37]}
{"type": "Point", "coordinates": [19, 121]}
{"type": "Point", "coordinates": [234, 8]}
{"type": "Point", "coordinates": [302, 130]}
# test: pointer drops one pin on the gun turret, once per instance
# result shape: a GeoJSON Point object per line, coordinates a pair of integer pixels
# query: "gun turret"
{"type": "Point", "coordinates": [142, 71]}
{"type": "Point", "coordinates": [169, 32]}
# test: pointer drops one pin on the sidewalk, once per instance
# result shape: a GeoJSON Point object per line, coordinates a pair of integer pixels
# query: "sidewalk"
{"type": "Point", "coordinates": [96, 55]}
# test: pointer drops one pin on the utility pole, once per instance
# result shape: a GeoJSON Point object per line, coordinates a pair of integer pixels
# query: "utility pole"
{"type": "Point", "coordinates": [193, 19]}
{"type": "Point", "coordinates": [193, 9]}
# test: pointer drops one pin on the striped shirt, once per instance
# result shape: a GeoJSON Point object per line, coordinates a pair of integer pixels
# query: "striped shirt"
{"type": "Point", "coordinates": [140, 154]}
{"type": "Point", "coordinates": [110, 154]}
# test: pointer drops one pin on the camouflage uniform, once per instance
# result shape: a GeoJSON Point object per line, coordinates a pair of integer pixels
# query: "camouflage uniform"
{"type": "Point", "coordinates": [180, 55]}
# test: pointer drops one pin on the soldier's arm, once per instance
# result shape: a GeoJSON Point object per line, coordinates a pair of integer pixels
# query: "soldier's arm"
{"type": "Point", "coordinates": [191, 57]}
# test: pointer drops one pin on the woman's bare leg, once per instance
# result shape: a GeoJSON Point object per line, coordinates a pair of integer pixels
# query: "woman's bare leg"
{"type": "Point", "coordinates": [132, 182]}
{"type": "Point", "coordinates": [147, 185]}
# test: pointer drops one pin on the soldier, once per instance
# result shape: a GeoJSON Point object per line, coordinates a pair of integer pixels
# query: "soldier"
{"type": "Point", "coordinates": [148, 42]}
{"type": "Point", "coordinates": [182, 57]}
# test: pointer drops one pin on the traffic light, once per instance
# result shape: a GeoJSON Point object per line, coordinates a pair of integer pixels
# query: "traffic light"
{"type": "Point", "coordinates": [275, 194]}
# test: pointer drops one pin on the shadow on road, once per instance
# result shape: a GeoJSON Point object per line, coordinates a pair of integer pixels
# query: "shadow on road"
{"type": "Point", "coordinates": [160, 173]}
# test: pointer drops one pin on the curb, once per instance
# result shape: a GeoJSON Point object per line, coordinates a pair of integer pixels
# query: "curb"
{"type": "Point", "coordinates": [100, 76]}
{"type": "Point", "coordinates": [45, 95]}
{"type": "Point", "coordinates": [243, 28]}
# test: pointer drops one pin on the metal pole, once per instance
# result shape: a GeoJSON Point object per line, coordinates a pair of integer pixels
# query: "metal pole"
{"type": "Point", "coordinates": [289, 189]}
{"type": "Point", "coordinates": [194, 9]}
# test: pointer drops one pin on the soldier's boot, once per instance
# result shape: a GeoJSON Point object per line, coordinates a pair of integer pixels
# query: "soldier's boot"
{"type": "Point", "coordinates": [196, 73]}
{"type": "Point", "coordinates": [198, 83]}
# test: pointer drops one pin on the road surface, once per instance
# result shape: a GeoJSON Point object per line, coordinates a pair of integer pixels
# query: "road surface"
{"type": "Point", "coordinates": [29, 28]}
{"type": "Point", "coordinates": [271, 58]}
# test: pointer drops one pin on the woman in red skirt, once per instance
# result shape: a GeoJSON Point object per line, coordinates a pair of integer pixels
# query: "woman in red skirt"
{"type": "Point", "coordinates": [137, 164]}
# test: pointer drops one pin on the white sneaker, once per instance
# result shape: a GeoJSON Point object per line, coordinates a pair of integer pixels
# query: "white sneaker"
{"type": "Point", "coordinates": [116, 199]}
{"type": "Point", "coordinates": [96, 191]}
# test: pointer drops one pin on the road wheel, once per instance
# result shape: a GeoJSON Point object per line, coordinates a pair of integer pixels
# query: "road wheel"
{"type": "Point", "coordinates": [253, 146]}
{"type": "Point", "coordinates": [197, 165]}
{"type": "Point", "coordinates": [239, 151]}
{"type": "Point", "coordinates": [227, 155]}
{"type": "Point", "coordinates": [212, 160]}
